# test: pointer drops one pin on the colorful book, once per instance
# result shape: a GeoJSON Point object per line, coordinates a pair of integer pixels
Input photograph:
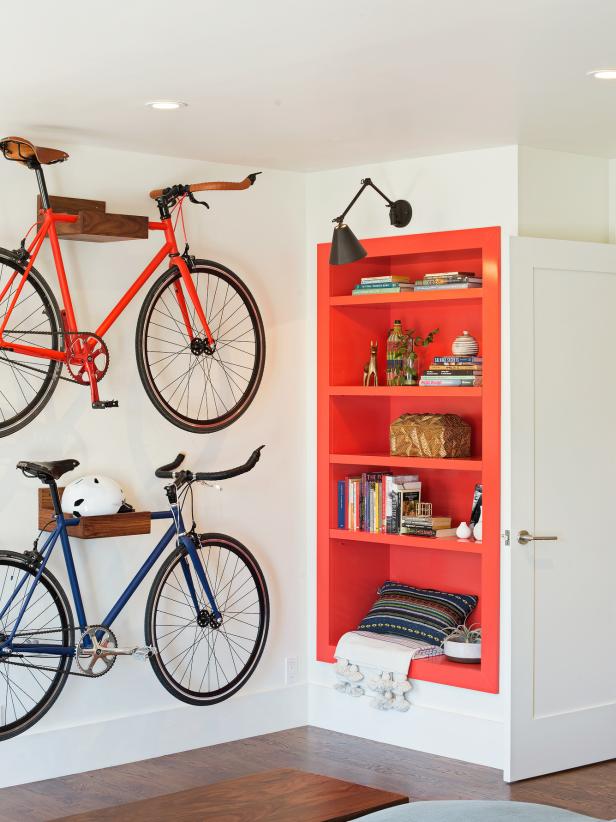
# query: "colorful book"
{"type": "Point", "coordinates": [370, 286]}
{"type": "Point", "coordinates": [450, 372]}
{"type": "Point", "coordinates": [446, 286]}
{"type": "Point", "coordinates": [453, 359]}
{"type": "Point", "coordinates": [394, 288]}
{"type": "Point", "coordinates": [445, 280]}
{"type": "Point", "coordinates": [436, 275]}
{"type": "Point", "coordinates": [388, 278]}
{"type": "Point", "coordinates": [452, 383]}
{"type": "Point", "coordinates": [341, 503]}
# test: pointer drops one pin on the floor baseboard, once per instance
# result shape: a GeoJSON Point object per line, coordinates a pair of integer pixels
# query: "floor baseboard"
{"type": "Point", "coordinates": [43, 754]}
{"type": "Point", "coordinates": [468, 737]}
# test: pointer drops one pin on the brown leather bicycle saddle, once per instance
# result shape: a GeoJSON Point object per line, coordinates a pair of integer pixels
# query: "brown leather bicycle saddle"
{"type": "Point", "coordinates": [22, 150]}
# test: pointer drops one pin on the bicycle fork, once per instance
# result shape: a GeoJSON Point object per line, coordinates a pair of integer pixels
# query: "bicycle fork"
{"type": "Point", "coordinates": [188, 541]}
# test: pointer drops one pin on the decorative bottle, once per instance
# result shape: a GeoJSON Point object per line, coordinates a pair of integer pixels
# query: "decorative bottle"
{"type": "Point", "coordinates": [396, 355]}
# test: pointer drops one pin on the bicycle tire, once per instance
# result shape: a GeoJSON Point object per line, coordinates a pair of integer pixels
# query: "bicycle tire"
{"type": "Point", "coordinates": [23, 372]}
{"type": "Point", "coordinates": [155, 638]}
{"type": "Point", "coordinates": [155, 328]}
{"type": "Point", "coordinates": [10, 559]}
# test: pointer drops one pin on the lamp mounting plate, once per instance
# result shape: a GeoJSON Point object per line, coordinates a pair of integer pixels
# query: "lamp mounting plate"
{"type": "Point", "coordinates": [400, 213]}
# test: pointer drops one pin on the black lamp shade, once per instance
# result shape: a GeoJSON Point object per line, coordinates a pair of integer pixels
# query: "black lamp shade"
{"type": "Point", "coordinates": [346, 248]}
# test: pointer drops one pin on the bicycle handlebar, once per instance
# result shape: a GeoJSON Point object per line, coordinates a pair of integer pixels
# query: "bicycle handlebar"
{"type": "Point", "coordinates": [168, 471]}
{"type": "Point", "coordinates": [213, 186]}
{"type": "Point", "coordinates": [165, 471]}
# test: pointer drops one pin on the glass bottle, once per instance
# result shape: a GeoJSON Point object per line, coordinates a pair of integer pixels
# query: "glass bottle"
{"type": "Point", "coordinates": [396, 355]}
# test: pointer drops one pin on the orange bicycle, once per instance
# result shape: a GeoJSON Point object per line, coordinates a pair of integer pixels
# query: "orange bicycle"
{"type": "Point", "coordinates": [200, 343]}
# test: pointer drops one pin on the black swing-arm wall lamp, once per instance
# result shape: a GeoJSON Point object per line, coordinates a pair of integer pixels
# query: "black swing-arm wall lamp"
{"type": "Point", "coordinates": [346, 248]}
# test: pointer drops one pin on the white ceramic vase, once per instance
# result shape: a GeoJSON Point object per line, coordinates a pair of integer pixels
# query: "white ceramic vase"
{"type": "Point", "coordinates": [463, 531]}
{"type": "Point", "coordinates": [465, 345]}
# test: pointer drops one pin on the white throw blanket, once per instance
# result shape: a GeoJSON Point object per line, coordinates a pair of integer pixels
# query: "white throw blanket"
{"type": "Point", "coordinates": [388, 656]}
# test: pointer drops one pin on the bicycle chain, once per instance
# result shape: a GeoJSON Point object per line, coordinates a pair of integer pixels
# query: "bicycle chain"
{"type": "Point", "coordinates": [6, 661]}
{"type": "Point", "coordinates": [64, 334]}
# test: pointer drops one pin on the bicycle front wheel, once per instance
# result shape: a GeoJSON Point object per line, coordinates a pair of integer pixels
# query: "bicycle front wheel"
{"type": "Point", "coordinates": [198, 659]}
{"type": "Point", "coordinates": [197, 386]}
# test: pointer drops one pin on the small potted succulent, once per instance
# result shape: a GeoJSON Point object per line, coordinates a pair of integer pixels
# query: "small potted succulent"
{"type": "Point", "coordinates": [463, 644]}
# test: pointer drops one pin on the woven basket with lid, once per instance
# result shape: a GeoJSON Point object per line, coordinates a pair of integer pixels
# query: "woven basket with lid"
{"type": "Point", "coordinates": [442, 436]}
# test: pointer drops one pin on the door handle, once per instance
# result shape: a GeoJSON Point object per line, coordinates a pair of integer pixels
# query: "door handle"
{"type": "Point", "coordinates": [524, 537]}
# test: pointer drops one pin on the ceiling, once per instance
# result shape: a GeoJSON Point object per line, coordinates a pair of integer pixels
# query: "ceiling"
{"type": "Point", "coordinates": [312, 84]}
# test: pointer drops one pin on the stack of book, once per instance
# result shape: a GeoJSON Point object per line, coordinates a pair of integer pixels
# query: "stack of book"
{"type": "Point", "coordinates": [388, 284]}
{"type": "Point", "coordinates": [454, 371]}
{"type": "Point", "coordinates": [448, 279]}
{"type": "Point", "coordinates": [418, 526]}
{"type": "Point", "coordinates": [375, 502]}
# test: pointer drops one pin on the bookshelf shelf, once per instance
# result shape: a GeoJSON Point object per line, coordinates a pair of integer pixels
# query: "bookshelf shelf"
{"type": "Point", "coordinates": [410, 463]}
{"type": "Point", "coordinates": [435, 544]}
{"type": "Point", "coordinates": [403, 391]}
{"type": "Point", "coordinates": [353, 437]}
{"type": "Point", "coordinates": [471, 295]}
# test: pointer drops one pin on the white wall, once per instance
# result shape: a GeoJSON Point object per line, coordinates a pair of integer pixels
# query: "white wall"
{"type": "Point", "coordinates": [471, 189]}
{"type": "Point", "coordinates": [563, 196]}
{"type": "Point", "coordinates": [259, 233]}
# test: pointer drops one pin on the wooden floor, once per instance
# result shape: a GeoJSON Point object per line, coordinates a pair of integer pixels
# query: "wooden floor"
{"type": "Point", "coordinates": [590, 790]}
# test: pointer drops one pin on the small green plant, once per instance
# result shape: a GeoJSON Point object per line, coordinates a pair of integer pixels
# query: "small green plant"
{"type": "Point", "coordinates": [469, 634]}
{"type": "Point", "coordinates": [417, 339]}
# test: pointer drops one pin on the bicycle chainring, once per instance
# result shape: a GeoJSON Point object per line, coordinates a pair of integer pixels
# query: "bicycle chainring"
{"type": "Point", "coordinates": [82, 347]}
{"type": "Point", "coordinates": [90, 655]}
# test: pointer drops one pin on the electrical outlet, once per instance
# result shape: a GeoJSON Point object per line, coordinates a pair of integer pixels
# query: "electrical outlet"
{"type": "Point", "coordinates": [291, 666]}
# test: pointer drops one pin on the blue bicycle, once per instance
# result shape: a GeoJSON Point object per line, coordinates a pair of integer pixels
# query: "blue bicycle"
{"type": "Point", "coordinates": [206, 618]}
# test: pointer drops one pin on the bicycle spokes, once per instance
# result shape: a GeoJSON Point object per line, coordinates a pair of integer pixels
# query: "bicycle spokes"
{"type": "Point", "coordinates": [198, 382]}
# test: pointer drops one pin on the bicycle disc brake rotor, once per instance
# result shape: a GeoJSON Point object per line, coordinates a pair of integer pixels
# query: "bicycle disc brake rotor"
{"type": "Point", "coordinates": [91, 651]}
{"type": "Point", "coordinates": [82, 348]}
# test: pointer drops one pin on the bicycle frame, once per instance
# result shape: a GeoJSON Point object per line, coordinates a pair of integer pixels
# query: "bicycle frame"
{"type": "Point", "coordinates": [48, 229]}
{"type": "Point", "coordinates": [60, 533]}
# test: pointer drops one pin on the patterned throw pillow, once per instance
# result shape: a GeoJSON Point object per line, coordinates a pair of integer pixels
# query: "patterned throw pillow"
{"type": "Point", "coordinates": [418, 613]}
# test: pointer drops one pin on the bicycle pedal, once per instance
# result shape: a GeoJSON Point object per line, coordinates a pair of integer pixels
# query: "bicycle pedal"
{"type": "Point", "coordinates": [143, 654]}
{"type": "Point", "coordinates": [105, 404]}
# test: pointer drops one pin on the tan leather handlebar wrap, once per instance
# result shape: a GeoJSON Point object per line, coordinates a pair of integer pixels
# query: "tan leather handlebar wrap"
{"type": "Point", "coordinates": [215, 186]}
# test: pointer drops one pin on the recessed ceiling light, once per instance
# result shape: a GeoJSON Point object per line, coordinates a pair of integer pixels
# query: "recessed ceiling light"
{"type": "Point", "coordinates": [166, 105]}
{"type": "Point", "coordinates": [603, 74]}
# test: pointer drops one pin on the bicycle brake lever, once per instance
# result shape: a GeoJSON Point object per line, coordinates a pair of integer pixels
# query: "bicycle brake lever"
{"type": "Point", "coordinates": [193, 199]}
{"type": "Point", "coordinates": [213, 485]}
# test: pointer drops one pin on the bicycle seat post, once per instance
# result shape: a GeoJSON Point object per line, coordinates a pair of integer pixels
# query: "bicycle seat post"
{"type": "Point", "coordinates": [33, 163]}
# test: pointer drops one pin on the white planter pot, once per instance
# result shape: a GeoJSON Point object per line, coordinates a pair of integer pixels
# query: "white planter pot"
{"type": "Point", "coordinates": [462, 651]}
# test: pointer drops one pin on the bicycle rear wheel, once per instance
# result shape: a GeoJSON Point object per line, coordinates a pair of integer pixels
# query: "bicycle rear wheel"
{"type": "Point", "coordinates": [198, 660]}
{"type": "Point", "coordinates": [195, 386]}
{"type": "Point", "coordinates": [26, 383]}
{"type": "Point", "coordinates": [30, 684]}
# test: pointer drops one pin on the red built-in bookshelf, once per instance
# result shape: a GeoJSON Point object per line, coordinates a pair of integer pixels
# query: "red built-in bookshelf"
{"type": "Point", "coordinates": [353, 435]}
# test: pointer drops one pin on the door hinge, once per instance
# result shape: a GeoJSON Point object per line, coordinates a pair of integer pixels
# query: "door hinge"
{"type": "Point", "coordinates": [507, 537]}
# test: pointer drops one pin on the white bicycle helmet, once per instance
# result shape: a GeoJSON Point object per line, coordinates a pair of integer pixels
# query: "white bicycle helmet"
{"type": "Point", "coordinates": [92, 496]}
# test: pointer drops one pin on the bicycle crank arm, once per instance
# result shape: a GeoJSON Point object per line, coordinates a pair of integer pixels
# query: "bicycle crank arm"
{"type": "Point", "coordinates": [140, 652]}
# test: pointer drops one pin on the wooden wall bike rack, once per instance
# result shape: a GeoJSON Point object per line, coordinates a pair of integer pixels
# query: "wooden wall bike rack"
{"type": "Point", "coordinates": [95, 224]}
{"type": "Point", "coordinates": [112, 525]}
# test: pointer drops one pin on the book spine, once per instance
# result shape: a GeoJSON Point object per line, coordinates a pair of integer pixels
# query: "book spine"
{"type": "Point", "coordinates": [414, 531]}
{"type": "Point", "coordinates": [452, 359]}
{"type": "Point", "coordinates": [393, 278]}
{"type": "Point", "coordinates": [448, 280]}
{"type": "Point", "coordinates": [341, 503]}
{"type": "Point", "coordinates": [446, 286]}
{"type": "Point", "coordinates": [451, 372]}
{"type": "Point", "coordinates": [452, 383]}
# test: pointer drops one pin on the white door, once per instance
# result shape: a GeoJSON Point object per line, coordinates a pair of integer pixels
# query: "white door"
{"type": "Point", "coordinates": [563, 484]}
